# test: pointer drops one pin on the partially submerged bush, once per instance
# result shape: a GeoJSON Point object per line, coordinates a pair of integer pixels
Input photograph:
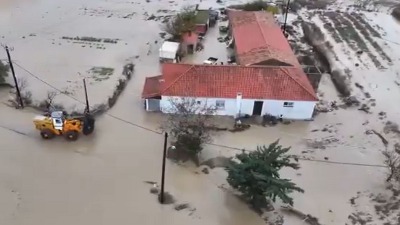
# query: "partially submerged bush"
{"type": "Point", "coordinates": [3, 72]}
{"type": "Point", "coordinates": [396, 12]}
{"type": "Point", "coordinates": [257, 5]}
{"type": "Point", "coordinates": [314, 37]}
{"type": "Point", "coordinates": [189, 125]}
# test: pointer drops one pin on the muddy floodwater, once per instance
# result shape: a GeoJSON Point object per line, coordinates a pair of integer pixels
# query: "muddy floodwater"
{"type": "Point", "coordinates": [100, 179]}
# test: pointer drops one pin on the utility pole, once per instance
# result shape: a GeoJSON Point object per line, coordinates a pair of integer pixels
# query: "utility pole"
{"type": "Point", "coordinates": [15, 79]}
{"type": "Point", "coordinates": [286, 14]}
{"type": "Point", "coordinates": [87, 110]}
{"type": "Point", "coordinates": [161, 197]}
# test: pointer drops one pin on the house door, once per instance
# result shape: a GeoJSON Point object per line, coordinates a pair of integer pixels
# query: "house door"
{"type": "Point", "coordinates": [258, 105]}
{"type": "Point", "coordinates": [190, 49]}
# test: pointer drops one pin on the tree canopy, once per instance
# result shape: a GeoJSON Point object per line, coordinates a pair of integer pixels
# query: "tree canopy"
{"type": "Point", "coordinates": [183, 22]}
{"type": "Point", "coordinates": [256, 175]}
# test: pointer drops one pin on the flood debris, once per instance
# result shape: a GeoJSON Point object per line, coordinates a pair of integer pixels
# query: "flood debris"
{"type": "Point", "coordinates": [273, 218]}
{"type": "Point", "coordinates": [391, 127]}
{"type": "Point", "coordinates": [304, 217]}
{"type": "Point", "coordinates": [351, 101]}
{"type": "Point", "coordinates": [360, 218]}
{"type": "Point", "coordinates": [321, 143]}
{"type": "Point", "coordinates": [386, 207]}
{"type": "Point", "coordinates": [239, 126]}
{"type": "Point", "coordinates": [217, 162]}
{"type": "Point", "coordinates": [168, 198]}
{"type": "Point", "coordinates": [270, 120]}
{"type": "Point", "coordinates": [205, 170]}
{"type": "Point", "coordinates": [154, 190]}
{"type": "Point", "coordinates": [325, 106]}
{"type": "Point", "coordinates": [179, 207]}
{"type": "Point", "coordinates": [150, 182]}
{"type": "Point", "coordinates": [365, 108]}
{"type": "Point", "coordinates": [383, 139]}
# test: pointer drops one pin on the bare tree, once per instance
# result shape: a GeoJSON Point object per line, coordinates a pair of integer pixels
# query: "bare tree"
{"type": "Point", "coordinates": [48, 102]}
{"type": "Point", "coordinates": [184, 21]}
{"type": "Point", "coordinates": [190, 124]}
{"type": "Point", "coordinates": [3, 72]}
{"type": "Point", "coordinates": [22, 83]}
{"type": "Point", "coordinates": [26, 95]}
{"type": "Point", "coordinates": [393, 162]}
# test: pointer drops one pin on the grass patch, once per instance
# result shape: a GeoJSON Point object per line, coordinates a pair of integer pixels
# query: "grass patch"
{"type": "Point", "coordinates": [92, 39]}
{"type": "Point", "coordinates": [101, 73]}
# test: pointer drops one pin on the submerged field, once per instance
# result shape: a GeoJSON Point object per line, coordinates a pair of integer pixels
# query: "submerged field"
{"type": "Point", "coordinates": [100, 178]}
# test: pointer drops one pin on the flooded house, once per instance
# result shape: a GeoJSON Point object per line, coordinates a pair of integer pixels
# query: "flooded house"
{"type": "Point", "coordinates": [257, 40]}
{"type": "Point", "coordinates": [202, 19]}
{"type": "Point", "coordinates": [189, 42]}
{"type": "Point", "coordinates": [234, 90]}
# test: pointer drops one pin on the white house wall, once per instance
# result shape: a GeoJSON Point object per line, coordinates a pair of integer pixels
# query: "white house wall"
{"type": "Point", "coordinates": [301, 109]}
{"type": "Point", "coordinates": [230, 104]}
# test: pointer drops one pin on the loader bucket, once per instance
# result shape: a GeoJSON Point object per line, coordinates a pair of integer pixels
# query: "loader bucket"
{"type": "Point", "coordinates": [88, 125]}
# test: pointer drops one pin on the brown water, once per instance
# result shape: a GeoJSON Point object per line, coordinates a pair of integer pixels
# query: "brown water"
{"type": "Point", "coordinates": [100, 179]}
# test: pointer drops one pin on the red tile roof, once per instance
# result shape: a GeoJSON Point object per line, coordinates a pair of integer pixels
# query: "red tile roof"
{"type": "Point", "coordinates": [152, 87]}
{"type": "Point", "coordinates": [258, 38]}
{"type": "Point", "coordinates": [224, 81]}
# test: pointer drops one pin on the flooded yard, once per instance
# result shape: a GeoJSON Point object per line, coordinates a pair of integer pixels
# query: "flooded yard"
{"type": "Point", "coordinates": [100, 179]}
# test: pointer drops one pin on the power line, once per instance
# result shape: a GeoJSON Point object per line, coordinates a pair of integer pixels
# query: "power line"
{"type": "Point", "coordinates": [123, 120]}
{"type": "Point", "coordinates": [211, 144]}
{"type": "Point", "coordinates": [300, 157]}
{"type": "Point", "coordinates": [108, 114]}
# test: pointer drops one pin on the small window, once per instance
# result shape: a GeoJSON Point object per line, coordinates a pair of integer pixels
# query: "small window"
{"type": "Point", "coordinates": [198, 102]}
{"type": "Point", "coordinates": [220, 104]}
{"type": "Point", "coordinates": [288, 104]}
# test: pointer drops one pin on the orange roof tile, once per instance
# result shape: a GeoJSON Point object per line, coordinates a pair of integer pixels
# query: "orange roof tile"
{"type": "Point", "coordinates": [152, 87]}
{"type": "Point", "coordinates": [225, 81]}
{"type": "Point", "coordinates": [258, 38]}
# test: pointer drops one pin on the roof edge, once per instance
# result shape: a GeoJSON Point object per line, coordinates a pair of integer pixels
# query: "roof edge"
{"type": "Point", "coordinates": [178, 78]}
{"type": "Point", "coordinates": [313, 94]}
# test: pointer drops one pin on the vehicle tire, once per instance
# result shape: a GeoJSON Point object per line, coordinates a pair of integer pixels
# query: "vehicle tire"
{"type": "Point", "coordinates": [72, 135]}
{"type": "Point", "coordinates": [88, 125]}
{"type": "Point", "coordinates": [46, 134]}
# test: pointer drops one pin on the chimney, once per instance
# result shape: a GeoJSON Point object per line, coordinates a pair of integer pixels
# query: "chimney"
{"type": "Point", "coordinates": [238, 104]}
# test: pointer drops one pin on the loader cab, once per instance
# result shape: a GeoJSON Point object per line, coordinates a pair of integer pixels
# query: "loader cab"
{"type": "Point", "coordinates": [58, 120]}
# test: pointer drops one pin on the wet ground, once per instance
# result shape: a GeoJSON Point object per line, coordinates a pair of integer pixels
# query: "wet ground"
{"type": "Point", "coordinates": [100, 179]}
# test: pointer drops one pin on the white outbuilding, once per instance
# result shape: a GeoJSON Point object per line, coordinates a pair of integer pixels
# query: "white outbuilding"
{"type": "Point", "coordinates": [169, 51]}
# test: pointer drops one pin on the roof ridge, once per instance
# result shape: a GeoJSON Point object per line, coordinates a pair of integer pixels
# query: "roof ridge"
{"type": "Point", "coordinates": [179, 77]}
{"type": "Point", "coordinates": [259, 26]}
{"type": "Point", "coordinates": [301, 85]}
